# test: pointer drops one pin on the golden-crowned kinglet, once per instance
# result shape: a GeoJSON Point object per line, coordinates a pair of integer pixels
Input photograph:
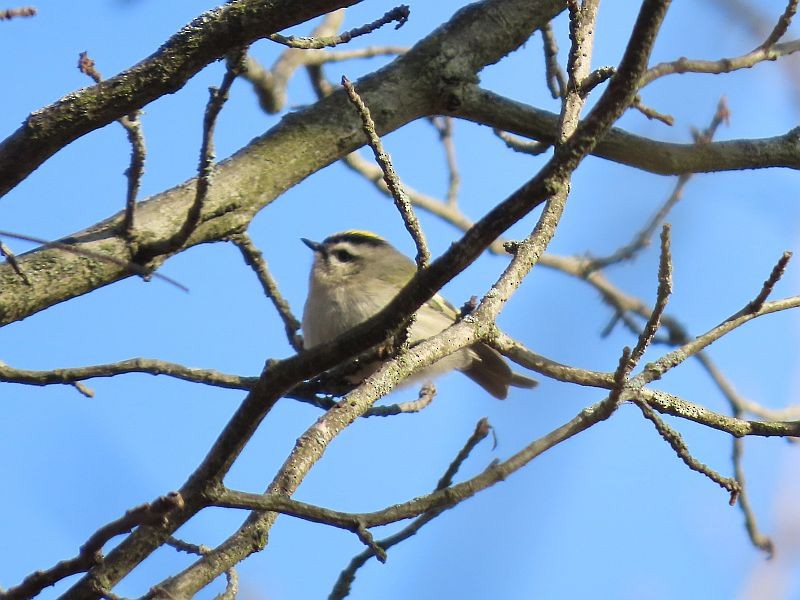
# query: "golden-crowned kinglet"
{"type": "Point", "coordinates": [356, 273]}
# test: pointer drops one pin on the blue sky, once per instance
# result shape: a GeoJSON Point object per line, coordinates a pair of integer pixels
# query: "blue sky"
{"type": "Point", "coordinates": [611, 513]}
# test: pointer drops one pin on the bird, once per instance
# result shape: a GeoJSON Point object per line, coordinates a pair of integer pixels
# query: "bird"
{"type": "Point", "coordinates": [355, 274]}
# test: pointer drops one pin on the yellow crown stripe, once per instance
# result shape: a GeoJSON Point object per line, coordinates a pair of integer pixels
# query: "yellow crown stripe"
{"type": "Point", "coordinates": [361, 233]}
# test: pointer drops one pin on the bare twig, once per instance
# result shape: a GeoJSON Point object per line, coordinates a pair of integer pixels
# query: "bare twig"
{"type": "Point", "coordinates": [217, 99]}
{"type": "Point", "coordinates": [133, 267]}
{"type": "Point", "coordinates": [90, 553]}
{"type": "Point", "coordinates": [6, 252]}
{"type": "Point", "coordinates": [642, 238]}
{"type": "Point", "coordinates": [345, 580]}
{"type": "Point", "coordinates": [662, 297]}
{"type": "Point", "coordinates": [740, 404]}
{"type": "Point", "coordinates": [426, 395]}
{"type": "Point", "coordinates": [390, 176]}
{"type": "Point", "coordinates": [83, 389]}
{"type": "Point", "coordinates": [254, 258]}
{"type": "Point", "coordinates": [522, 145]}
{"type": "Point", "coordinates": [652, 113]}
{"type": "Point", "coordinates": [595, 78]}
{"type": "Point", "coordinates": [133, 128]}
{"type": "Point", "coordinates": [674, 439]}
{"type": "Point", "coordinates": [322, 57]}
{"type": "Point", "coordinates": [399, 14]}
{"type": "Point", "coordinates": [656, 369]}
{"type": "Point", "coordinates": [775, 275]}
{"type": "Point", "coordinates": [723, 65]}
{"type": "Point", "coordinates": [184, 546]}
{"type": "Point", "coordinates": [133, 365]}
{"type": "Point", "coordinates": [517, 144]}
{"type": "Point", "coordinates": [444, 126]}
{"type": "Point", "coordinates": [556, 80]}
{"type": "Point", "coordinates": [758, 539]}
{"type": "Point", "coordinates": [231, 576]}
{"type": "Point", "coordinates": [782, 25]}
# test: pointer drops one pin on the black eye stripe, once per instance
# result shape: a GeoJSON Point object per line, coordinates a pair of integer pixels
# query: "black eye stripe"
{"type": "Point", "coordinates": [342, 255]}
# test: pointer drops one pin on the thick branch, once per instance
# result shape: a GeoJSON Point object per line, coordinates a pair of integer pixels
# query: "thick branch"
{"type": "Point", "coordinates": [662, 158]}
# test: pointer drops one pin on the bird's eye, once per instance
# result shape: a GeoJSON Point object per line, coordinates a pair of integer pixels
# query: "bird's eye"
{"type": "Point", "coordinates": [343, 255]}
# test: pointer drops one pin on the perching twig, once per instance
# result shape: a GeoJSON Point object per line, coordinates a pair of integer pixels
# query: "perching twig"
{"type": "Point", "coordinates": [399, 14]}
{"type": "Point", "coordinates": [390, 176]}
{"type": "Point", "coordinates": [253, 257]}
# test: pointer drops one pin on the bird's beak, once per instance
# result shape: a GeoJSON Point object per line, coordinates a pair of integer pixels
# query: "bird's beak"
{"type": "Point", "coordinates": [315, 246]}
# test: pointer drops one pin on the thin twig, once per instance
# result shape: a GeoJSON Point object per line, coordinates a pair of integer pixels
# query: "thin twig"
{"type": "Point", "coordinates": [758, 539]}
{"type": "Point", "coordinates": [674, 439]}
{"type": "Point", "coordinates": [556, 80]}
{"type": "Point", "coordinates": [518, 144]}
{"type": "Point", "coordinates": [270, 84]}
{"type": "Point", "coordinates": [741, 404]}
{"type": "Point", "coordinates": [662, 297]}
{"type": "Point", "coordinates": [426, 395]}
{"type": "Point", "coordinates": [656, 369]}
{"type": "Point", "coordinates": [775, 275]}
{"type": "Point", "coordinates": [133, 128]}
{"type": "Point", "coordinates": [399, 14]}
{"type": "Point", "coordinates": [595, 78]}
{"type": "Point", "coordinates": [345, 580]}
{"type": "Point", "coordinates": [231, 576]}
{"type": "Point", "coordinates": [723, 65]}
{"type": "Point", "coordinates": [133, 365]}
{"type": "Point", "coordinates": [188, 547]}
{"type": "Point", "coordinates": [782, 26]}
{"type": "Point", "coordinates": [642, 238]}
{"type": "Point", "coordinates": [217, 99]}
{"type": "Point", "coordinates": [390, 176]}
{"type": "Point", "coordinates": [83, 389]}
{"type": "Point", "coordinates": [255, 259]}
{"type": "Point", "coordinates": [90, 552]}
{"type": "Point", "coordinates": [11, 259]}
{"type": "Point", "coordinates": [444, 126]}
{"type": "Point", "coordinates": [652, 113]}
{"type": "Point", "coordinates": [133, 267]}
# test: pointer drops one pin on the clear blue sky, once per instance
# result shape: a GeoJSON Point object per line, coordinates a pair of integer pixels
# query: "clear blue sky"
{"type": "Point", "coordinates": [611, 513]}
